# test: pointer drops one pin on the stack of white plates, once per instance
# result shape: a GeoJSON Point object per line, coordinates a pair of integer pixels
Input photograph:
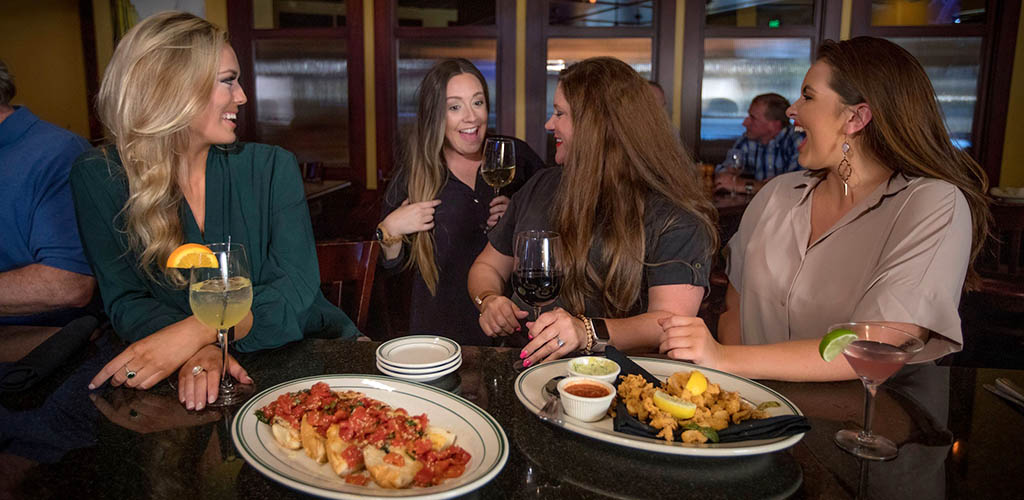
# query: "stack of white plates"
{"type": "Point", "coordinates": [419, 357]}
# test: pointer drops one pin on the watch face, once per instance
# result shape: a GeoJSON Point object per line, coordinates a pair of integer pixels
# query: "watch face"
{"type": "Point", "coordinates": [379, 235]}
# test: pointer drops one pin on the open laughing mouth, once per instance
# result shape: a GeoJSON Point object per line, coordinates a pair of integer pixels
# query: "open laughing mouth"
{"type": "Point", "coordinates": [798, 128]}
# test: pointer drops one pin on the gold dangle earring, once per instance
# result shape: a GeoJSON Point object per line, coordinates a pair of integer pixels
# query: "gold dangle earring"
{"type": "Point", "coordinates": [845, 169]}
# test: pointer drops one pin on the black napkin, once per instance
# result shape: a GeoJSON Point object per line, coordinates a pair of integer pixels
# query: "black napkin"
{"type": "Point", "coordinates": [49, 355]}
{"type": "Point", "coordinates": [767, 428]}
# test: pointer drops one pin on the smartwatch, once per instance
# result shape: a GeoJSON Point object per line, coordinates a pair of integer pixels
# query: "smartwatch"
{"type": "Point", "coordinates": [601, 332]}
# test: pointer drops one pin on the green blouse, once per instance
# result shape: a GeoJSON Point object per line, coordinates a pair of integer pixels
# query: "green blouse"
{"type": "Point", "coordinates": [254, 194]}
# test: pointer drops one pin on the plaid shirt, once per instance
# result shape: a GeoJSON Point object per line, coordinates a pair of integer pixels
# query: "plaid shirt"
{"type": "Point", "coordinates": [764, 161]}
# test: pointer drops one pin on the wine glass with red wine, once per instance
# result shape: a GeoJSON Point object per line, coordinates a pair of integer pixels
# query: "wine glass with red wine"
{"type": "Point", "coordinates": [537, 273]}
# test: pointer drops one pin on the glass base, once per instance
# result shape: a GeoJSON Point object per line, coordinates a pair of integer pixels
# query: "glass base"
{"type": "Point", "coordinates": [238, 394]}
{"type": "Point", "coordinates": [873, 447]}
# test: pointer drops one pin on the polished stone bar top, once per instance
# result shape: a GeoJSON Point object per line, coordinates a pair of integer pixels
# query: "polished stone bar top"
{"type": "Point", "coordinates": [956, 440]}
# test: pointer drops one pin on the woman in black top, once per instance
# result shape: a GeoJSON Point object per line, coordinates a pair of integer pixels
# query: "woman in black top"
{"type": "Point", "coordinates": [438, 208]}
{"type": "Point", "coordinates": [636, 226]}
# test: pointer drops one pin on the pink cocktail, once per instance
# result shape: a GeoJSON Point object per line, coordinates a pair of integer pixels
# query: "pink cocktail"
{"type": "Point", "coordinates": [878, 353]}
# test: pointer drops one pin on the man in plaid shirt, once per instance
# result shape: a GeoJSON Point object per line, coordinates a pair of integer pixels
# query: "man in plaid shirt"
{"type": "Point", "coordinates": [767, 149]}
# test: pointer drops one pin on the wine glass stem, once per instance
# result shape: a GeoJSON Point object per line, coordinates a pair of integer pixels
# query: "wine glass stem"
{"type": "Point", "coordinates": [869, 409]}
{"type": "Point", "coordinates": [536, 312]}
{"type": "Point", "coordinates": [497, 192]}
{"type": "Point", "coordinates": [226, 385]}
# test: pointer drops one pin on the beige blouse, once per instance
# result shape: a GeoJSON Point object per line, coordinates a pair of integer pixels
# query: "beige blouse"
{"type": "Point", "coordinates": [899, 255]}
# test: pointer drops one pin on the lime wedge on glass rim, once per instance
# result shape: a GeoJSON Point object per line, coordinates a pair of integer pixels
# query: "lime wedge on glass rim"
{"type": "Point", "coordinates": [834, 343]}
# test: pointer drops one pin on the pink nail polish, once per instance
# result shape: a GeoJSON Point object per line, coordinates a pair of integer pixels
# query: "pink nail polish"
{"type": "Point", "coordinates": [527, 363]}
{"type": "Point", "coordinates": [523, 354]}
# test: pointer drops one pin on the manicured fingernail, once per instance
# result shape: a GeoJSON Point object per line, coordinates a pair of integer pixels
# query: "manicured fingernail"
{"type": "Point", "coordinates": [518, 328]}
{"type": "Point", "coordinates": [212, 398]}
{"type": "Point", "coordinates": [527, 363]}
{"type": "Point", "coordinates": [530, 335]}
{"type": "Point", "coordinates": [92, 397]}
{"type": "Point", "coordinates": [91, 387]}
{"type": "Point", "coordinates": [523, 354]}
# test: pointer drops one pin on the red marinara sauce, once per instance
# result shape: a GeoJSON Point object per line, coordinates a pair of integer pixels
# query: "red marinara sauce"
{"type": "Point", "coordinates": [585, 390]}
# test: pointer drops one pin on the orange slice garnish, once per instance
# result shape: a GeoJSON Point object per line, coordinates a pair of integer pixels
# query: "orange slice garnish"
{"type": "Point", "coordinates": [191, 255]}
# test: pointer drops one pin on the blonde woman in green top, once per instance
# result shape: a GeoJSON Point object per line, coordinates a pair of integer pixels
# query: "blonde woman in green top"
{"type": "Point", "coordinates": [169, 100]}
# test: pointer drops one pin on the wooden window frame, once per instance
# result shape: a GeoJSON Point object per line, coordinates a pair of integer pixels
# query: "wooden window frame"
{"type": "Point", "coordinates": [988, 128]}
{"type": "Point", "coordinates": [244, 37]}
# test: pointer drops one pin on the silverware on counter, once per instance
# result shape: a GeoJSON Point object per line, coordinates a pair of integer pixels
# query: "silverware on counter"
{"type": "Point", "coordinates": [1008, 386]}
{"type": "Point", "coordinates": [998, 391]}
{"type": "Point", "coordinates": [552, 410]}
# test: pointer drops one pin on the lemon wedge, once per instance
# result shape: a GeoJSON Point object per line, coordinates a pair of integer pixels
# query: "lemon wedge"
{"type": "Point", "coordinates": [697, 383]}
{"type": "Point", "coordinates": [191, 255]}
{"type": "Point", "coordinates": [674, 406]}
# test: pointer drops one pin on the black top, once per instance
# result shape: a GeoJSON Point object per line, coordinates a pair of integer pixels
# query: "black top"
{"type": "Point", "coordinates": [459, 236]}
{"type": "Point", "coordinates": [676, 255]}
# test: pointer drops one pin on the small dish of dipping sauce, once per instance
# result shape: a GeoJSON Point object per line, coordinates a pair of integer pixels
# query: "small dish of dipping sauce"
{"type": "Point", "coordinates": [594, 367]}
{"type": "Point", "coordinates": [585, 399]}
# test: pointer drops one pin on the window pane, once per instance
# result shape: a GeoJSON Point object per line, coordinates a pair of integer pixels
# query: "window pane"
{"type": "Point", "coordinates": [738, 69]}
{"type": "Point", "coordinates": [923, 13]}
{"type": "Point", "coordinates": [444, 13]}
{"type": "Point", "coordinates": [584, 13]}
{"type": "Point", "coordinates": [416, 57]}
{"type": "Point", "coordinates": [952, 64]}
{"type": "Point", "coordinates": [271, 14]}
{"type": "Point", "coordinates": [760, 13]}
{"type": "Point", "coordinates": [302, 97]}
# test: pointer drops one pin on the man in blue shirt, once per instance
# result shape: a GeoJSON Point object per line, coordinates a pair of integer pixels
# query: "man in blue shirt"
{"type": "Point", "coordinates": [44, 277]}
{"type": "Point", "coordinates": [768, 148]}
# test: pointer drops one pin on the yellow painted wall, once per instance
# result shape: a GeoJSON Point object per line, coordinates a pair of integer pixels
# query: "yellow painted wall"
{"type": "Point", "coordinates": [1012, 173]}
{"type": "Point", "coordinates": [41, 42]}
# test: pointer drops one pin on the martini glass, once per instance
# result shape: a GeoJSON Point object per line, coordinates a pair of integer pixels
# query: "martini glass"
{"type": "Point", "coordinates": [878, 353]}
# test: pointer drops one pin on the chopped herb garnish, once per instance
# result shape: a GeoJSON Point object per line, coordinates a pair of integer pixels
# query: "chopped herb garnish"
{"type": "Point", "coordinates": [262, 417]}
{"type": "Point", "coordinates": [708, 432]}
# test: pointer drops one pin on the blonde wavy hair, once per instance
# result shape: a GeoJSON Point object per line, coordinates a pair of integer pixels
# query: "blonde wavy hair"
{"type": "Point", "coordinates": [159, 79]}
{"type": "Point", "coordinates": [624, 153]}
{"type": "Point", "coordinates": [427, 170]}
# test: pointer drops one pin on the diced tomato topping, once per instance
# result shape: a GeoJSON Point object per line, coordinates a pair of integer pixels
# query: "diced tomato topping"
{"type": "Point", "coordinates": [353, 455]}
{"type": "Point", "coordinates": [422, 446]}
{"type": "Point", "coordinates": [395, 459]}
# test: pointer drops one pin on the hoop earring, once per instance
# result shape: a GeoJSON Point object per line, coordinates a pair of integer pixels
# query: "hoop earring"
{"type": "Point", "coordinates": [845, 169]}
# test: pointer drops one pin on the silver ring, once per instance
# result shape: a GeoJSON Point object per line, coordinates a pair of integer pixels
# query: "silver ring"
{"type": "Point", "coordinates": [560, 342]}
{"type": "Point", "coordinates": [129, 373]}
{"type": "Point", "coordinates": [196, 370]}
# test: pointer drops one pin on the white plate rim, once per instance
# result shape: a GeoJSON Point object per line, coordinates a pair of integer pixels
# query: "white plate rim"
{"type": "Point", "coordinates": [419, 371]}
{"type": "Point", "coordinates": [426, 377]}
{"type": "Point", "coordinates": [245, 416]}
{"type": "Point", "coordinates": [381, 353]}
{"type": "Point", "coordinates": [605, 433]}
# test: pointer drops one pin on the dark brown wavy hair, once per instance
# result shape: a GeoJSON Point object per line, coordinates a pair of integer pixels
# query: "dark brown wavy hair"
{"type": "Point", "coordinates": [623, 153]}
{"type": "Point", "coordinates": [906, 132]}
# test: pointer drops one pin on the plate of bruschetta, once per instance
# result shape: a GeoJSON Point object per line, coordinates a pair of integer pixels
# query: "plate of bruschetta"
{"type": "Point", "coordinates": [357, 436]}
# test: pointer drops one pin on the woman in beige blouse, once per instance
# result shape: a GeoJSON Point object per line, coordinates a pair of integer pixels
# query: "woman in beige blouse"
{"type": "Point", "coordinates": [883, 226]}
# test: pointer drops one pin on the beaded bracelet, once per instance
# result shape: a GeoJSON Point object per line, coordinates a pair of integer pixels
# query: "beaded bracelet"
{"type": "Point", "coordinates": [589, 326]}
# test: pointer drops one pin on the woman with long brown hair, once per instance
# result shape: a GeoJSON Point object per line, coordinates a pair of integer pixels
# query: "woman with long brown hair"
{"type": "Point", "coordinates": [637, 228]}
{"type": "Point", "coordinates": [175, 173]}
{"type": "Point", "coordinates": [437, 208]}
{"type": "Point", "coordinates": [884, 226]}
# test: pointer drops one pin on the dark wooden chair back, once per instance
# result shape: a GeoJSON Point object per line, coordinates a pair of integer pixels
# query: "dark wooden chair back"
{"type": "Point", "coordinates": [346, 275]}
{"type": "Point", "coordinates": [1003, 256]}
{"type": "Point", "coordinates": [1001, 263]}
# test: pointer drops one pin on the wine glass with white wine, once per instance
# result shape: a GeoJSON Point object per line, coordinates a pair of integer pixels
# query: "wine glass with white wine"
{"type": "Point", "coordinates": [499, 167]}
{"type": "Point", "coordinates": [221, 297]}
